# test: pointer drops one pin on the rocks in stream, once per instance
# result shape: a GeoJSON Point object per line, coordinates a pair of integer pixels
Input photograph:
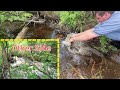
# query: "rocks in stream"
{"type": "Point", "coordinates": [81, 52]}
{"type": "Point", "coordinates": [17, 61]}
{"type": "Point", "coordinates": [115, 56]}
{"type": "Point", "coordinates": [80, 60]}
{"type": "Point", "coordinates": [78, 47]}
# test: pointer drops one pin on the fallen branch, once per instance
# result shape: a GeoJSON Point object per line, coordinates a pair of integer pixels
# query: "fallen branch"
{"type": "Point", "coordinates": [39, 69]}
{"type": "Point", "coordinates": [22, 34]}
{"type": "Point", "coordinates": [40, 21]}
{"type": "Point", "coordinates": [78, 72]}
{"type": "Point", "coordinates": [35, 20]}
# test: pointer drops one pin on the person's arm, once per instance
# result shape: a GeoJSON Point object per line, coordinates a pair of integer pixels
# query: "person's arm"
{"type": "Point", "coordinates": [84, 36]}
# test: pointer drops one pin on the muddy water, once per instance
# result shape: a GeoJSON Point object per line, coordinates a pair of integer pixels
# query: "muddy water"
{"type": "Point", "coordinates": [106, 68]}
{"type": "Point", "coordinates": [35, 32]}
{"type": "Point", "coordinates": [39, 32]}
{"type": "Point", "coordinates": [98, 68]}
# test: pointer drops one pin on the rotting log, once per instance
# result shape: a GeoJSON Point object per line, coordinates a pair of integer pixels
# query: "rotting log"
{"type": "Point", "coordinates": [22, 34]}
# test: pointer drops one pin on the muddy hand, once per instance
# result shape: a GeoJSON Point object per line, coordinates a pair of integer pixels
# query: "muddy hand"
{"type": "Point", "coordinates": [72, 38]}
{"type": "Point", "coordinates": [66, 43]}
{"type": "Point", "coordinates": [69, 39]}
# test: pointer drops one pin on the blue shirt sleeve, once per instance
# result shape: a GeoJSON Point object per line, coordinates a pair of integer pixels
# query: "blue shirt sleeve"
{"type": "Point", "coordinates": [108, 26]}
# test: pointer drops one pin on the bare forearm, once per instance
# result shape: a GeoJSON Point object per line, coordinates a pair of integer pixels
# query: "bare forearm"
{"type": "Point", "coordinates": [81, 38]}
{"type": "Point", "coordinates": [84, 36]}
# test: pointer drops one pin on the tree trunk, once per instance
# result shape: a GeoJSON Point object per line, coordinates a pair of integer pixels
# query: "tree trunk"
{"type": "Point", "coordinates": [22, 34]}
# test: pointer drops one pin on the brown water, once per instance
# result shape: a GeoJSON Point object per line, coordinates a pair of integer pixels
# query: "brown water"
{"type": "Point", "coordinates": [98, 68]}
{"type": "Point", "coordinates": [35, 32]}
{"type": "Point", "coordinates": [39, 32]}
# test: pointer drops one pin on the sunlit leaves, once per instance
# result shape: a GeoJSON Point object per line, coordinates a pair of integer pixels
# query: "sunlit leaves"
{"type": "Point", "coordinates": [104, 45]}
{"type": "Point", "coordinates": [14, 15]}
{"type": "Point", "coordinates": [76, 19]}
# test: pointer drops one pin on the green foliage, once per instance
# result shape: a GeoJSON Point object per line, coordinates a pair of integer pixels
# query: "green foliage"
{"type": "Point", "coordinates": [69, 18]}
{"type": "Point", "coordinates": [23, 71]}
{"type": "Point", "coordinates": [1, 59]}
{"type": "Point", "coordinates": [104, 45]}
{"type": "Point", "coordinates": [76, 19]}
{"type": "Point", "coordinates": [51, 71]}
{"type": "Point", "coordinates": [28, 72]}
{"type": "Point", "coordinates": [47, 58]}
{"type": "Point", "coordinates": [103, 40]}
{"type": "Point", "coordinates": [14, 16]}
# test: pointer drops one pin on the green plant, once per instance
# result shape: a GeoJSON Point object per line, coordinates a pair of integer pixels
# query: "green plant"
{"type": "Point", "coordinates": [76, 20]}
{"type": "Point", "coordinates": [105, 47]}
{"type": "Point", "coordinates": [1, 59]}
{"type": "Point", "coordinates": [14, 16]}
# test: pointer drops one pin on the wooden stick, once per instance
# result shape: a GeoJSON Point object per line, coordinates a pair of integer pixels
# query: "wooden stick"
{"type": "Point", "coordinates": [22, 34]}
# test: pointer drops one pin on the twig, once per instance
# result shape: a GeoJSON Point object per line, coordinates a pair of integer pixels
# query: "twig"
{"type": "Point", "coordinates": [4, 33]}
{"type": "Point", "coordinates": [93, 67]}
{"type": "Point", "coordinates": [79, 73]}
{"type": "Point", "coordinates": [97, 73]}
{"type": "Point", "coordinates": [41, 70]}
{"type": "Point", "coordinates": [34, 20]}
{"type": "Point", "coordinates": [40, 21]}
{"type": "Point", "coordinates": [22, 33]}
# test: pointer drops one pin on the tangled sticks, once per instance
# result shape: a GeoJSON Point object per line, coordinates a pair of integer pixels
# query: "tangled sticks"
{"type": "Point", "coordinates": [81, 48]}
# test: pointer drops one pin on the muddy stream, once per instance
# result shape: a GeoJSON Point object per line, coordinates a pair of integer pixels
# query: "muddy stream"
{"type": "Point", "coordinates": [98, 67]}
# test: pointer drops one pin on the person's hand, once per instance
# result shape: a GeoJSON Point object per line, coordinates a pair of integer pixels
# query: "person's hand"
{"type": "Point", "coordinates": [71, 39]}
{"type": "Point", "coordinates": [74, 35]}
